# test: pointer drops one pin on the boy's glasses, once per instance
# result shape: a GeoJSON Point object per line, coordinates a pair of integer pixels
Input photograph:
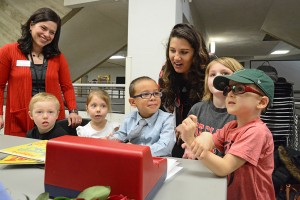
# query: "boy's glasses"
{"type": "Point", "coordinates": [147, 95]}
{"type": "Point", "coordinates": [239, 89]}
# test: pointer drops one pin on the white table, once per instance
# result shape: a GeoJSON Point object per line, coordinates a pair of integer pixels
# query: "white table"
{"type": "Point", "coordinates": [194, 181]}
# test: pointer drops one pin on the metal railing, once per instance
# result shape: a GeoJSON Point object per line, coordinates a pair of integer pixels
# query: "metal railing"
{"type": "Point", "coordinates": [115, 91]}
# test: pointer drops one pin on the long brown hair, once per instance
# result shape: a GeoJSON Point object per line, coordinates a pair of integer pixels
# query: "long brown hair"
{"type": "Point", "coordinates": [41, 15]}
{"type": "Point", "coordinates": [170, 80]}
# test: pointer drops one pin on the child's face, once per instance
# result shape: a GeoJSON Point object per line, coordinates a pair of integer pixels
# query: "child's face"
{"type": "Point", "coordinates": [97, 109]}
{"type": "Point", "coordinates": [215, 70]}
{"type": "Point", "coordinates": [146, 107]}
{"type": "Point", "coordinates": [245, 104]}
{"type": "Point", "coordinates": [44, 114]}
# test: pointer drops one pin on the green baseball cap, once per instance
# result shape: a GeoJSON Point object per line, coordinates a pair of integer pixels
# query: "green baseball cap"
{"type": "Point", "coordinates": [248, 76]}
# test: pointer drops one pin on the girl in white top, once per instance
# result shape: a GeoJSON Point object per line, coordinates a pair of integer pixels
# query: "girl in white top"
{"type": "Point", "coordinates": [97, 106]}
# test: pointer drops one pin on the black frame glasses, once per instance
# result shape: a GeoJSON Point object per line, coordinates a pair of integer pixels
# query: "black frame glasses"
{"type": "Point", "coordinates": [239, 89]}
{"type": "Point", "coordinates": [148, 95]}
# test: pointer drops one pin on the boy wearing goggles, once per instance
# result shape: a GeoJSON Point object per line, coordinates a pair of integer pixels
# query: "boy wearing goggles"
{"type": "Point", "coordinates": [246, 142]}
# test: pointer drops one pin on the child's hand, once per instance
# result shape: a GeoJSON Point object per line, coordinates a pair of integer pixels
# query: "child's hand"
{"type": "Point", "coordinates": [202, 144]}
{"type": "Point", "coordinates": [186, 129]}
{"type": "Point", "coordinates": [108, 137]}
{"type": "Point", "coordinates": [187, 152]}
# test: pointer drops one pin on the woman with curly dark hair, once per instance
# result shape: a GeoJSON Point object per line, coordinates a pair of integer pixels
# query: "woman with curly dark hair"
{"type": "Point", "coordinates": [182, 77]}
{"type": "Point", "coordinates": [32, 65]}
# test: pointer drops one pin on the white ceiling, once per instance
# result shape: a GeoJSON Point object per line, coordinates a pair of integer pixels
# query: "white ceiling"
{"type": "Point", "coordinates": [239, 27]}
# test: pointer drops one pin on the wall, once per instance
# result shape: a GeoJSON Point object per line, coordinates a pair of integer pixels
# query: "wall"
{"type": "Point", "coordinates": [290, 70]}
{"type": "Point", "coordinates": [113, 71]}
{"type": "Point", "coordinates": [92, 35]}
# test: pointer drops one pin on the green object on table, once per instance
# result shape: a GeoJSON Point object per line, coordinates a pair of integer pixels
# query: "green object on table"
{"type": "Point", "coordinates": [91, 193]}
{"type": "Point", "coordinates": [95, 192]}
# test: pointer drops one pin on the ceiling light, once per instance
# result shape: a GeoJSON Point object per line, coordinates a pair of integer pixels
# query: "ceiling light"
{"type": "Point", "coordinates": [212, 47]}
{"type": "Point", "coordinates": [117, 57]}
{"type": "Point", "coordinates": [280, 52]}
{"type": "Point", "coordinates": [218, 39]}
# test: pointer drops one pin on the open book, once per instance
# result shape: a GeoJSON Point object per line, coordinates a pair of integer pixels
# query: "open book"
{"type": "Point", "coordinates": [17, 160]}
{"type": "Point", "coordinates": [173, 167]}
{"type": "Point", "coordinates": [31, 153]}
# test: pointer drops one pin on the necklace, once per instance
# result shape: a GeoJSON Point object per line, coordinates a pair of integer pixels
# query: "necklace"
{"type": "Point", "coordinates": [37, 55]}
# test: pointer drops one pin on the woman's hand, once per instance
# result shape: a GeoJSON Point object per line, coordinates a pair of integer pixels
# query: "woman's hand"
{"type": "Point", "coordinates": [74, 119]}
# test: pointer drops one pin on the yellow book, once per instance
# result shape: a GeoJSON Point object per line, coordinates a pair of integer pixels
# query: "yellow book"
{"type": "Point", "coordinates": [34, 150]}
{"type": "Point", "coordinates": [12, 159]}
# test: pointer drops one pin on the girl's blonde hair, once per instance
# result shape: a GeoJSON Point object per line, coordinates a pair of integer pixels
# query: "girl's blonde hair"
{"type": "Point", "coordinates": [42, 97]}
{"type": "Point", "coordinates": [101, 94]}
{"type": "Point", "coordinates": [230, 63]}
